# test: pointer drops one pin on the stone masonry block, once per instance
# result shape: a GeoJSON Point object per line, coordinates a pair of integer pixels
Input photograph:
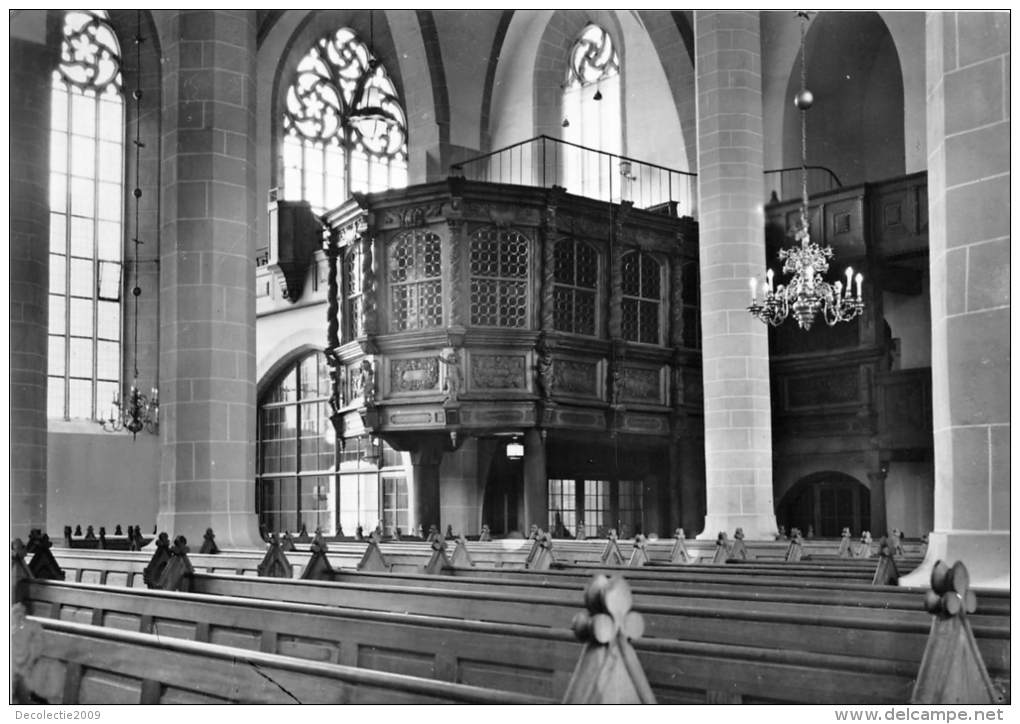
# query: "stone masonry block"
{"type": "Point", "coordinates": [978, 366]}
{"type": "Point", "coordinates": [974, 212]}
{"type": "Point", "coordinates": [988, 275]}
{"type": "Point", "coordinates": [974, 96]}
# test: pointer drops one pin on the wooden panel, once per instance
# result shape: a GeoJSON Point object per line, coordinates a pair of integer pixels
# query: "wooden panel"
{"type": "Point", "coordinates": [238, 638]}
{"type": "Point", "coordinates": [74, 613]}
{"type": "Point", "coordinates": [123, 621]}
{"type": "Point", "coordinates": [311, 649]}
{"type": "Point", "coordinates": [510, 677]}
{"type": "Point", "coordinates": [397, 661]}
{"type": "Point", "coordinates": [174, 629]}
{"type": "Point", "coordinates": [91, 577]}
{"type": "Point", "coordinates": [117, 578]}
{"type": "Point", "coordinates": [101, 687]}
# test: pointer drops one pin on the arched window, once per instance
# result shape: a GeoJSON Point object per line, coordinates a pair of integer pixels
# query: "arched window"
{"type": "Point", "coordinates": [642, 298]}
{"type": "Point", "coordinates": [591, 111]}
{"type": "Point", "coordinates": [499, 262]}
{"type": "Point", "coordinates": [343, 127]}
{"type": "Point", "coordinates": [416, 287]}
{"type": "Point", "coordinates": [575, 276]}
{"type": "Point", "coordinates": [297, 451]}
{"type": "Point", "coordinates": [86, 206]}
{"type": "Point", "coordinates": [303, 478]}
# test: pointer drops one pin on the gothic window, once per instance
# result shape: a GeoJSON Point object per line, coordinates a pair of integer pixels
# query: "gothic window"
{"type": "Point", "coordinates": [562, 507]}
{"type": "Point", "coordinates": [344, 129]}
{"type": "Point", "coordinates": [86, 202]}
{"type": "Point", "coordinates": [350, 289]}
{"type": "Point", "coordinates": [415, 268]}
{"type": "Point", "coordinates": [296, 456]}
{"type": "Point", "coordinates": [597, 511]}
{"type": "Point", "coordinates": [642, 298]}
{"type": "Point", "coordinates": [575, 277]}
{"type": "Point", "coordinates": [499, 261]}
{"type": "Point", "coordinates": [592, 111]}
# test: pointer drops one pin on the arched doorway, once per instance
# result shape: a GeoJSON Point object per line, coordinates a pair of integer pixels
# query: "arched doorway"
{"type": "Point", "coordinates": [826, 502]}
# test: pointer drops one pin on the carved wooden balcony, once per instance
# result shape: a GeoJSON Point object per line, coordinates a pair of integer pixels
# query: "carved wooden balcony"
{"type": "Point", "coordinates": [465, 307]}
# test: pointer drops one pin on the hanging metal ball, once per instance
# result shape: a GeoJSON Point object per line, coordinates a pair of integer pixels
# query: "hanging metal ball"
{"type": "Point", "coordinates": [566, 123]}
{"type": "Point", "coordinates": [136, 291]}
{"type": "Point", "coordinates": [804, 99]}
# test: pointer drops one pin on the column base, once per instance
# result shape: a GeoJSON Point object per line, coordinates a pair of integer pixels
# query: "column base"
{"type": "Point", "coordinates": [985, 553]}
{"type": "Point", "coordinates": [232, 530]}
{"type": "Point", "coordinates": [756, 527]}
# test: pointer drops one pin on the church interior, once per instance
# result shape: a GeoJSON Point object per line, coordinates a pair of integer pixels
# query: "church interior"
{"type": "Point", "coordinates": [523, 280]}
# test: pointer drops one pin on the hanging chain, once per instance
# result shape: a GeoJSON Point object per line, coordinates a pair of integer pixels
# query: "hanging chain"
{"type": "Point", "coordinates": [137, 290]}
{"type": "Point", "coordinates": [803, 126]}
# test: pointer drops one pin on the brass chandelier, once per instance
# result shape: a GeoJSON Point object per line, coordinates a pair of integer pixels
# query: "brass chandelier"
{"type": "Point", "coordinates": [807, 293]}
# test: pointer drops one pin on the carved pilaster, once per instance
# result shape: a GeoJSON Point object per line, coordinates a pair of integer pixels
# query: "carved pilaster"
{"type": "Point", "coordinates": [615, 300]}
{"type": "Point", "coordinates": [453, 254]}
{"type": "Point", "coordinates": [369, 323]}
{"type": "Point", "coordinates": [548, 236]}
{"type": "Point", "coordinates": [332, 248]}
{"type": "Point", "coordinates": [676, 301]}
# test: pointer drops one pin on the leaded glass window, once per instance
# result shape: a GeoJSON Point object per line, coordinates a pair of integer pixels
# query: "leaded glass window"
{"type": "Point", "coordinates": [344, 129]}
{"type": "Point", "coordinates": [351, 291]}
{"type": "Point", "coordinates": [575, 275]}
{"type": "Point", "coordinates": [591, 105]}
{"type": "Point", "coordinates": [86, 207]}
{"type": "Point", "coordinates": [562, 507]}
{"type": "Point", "coordinates": [499, 260]}
{"type": "Point", "coordinates": [596, 508]}
{"type": "Point", "coordinates": [642, 298]}
{"type": "Point", "coordinates": [415, 268]}
{"type": "Point", "coordinates": [631, 510]}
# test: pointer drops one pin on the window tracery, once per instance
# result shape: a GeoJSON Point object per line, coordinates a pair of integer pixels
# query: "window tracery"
{"type": "Point", "coordinates": [343, 124]}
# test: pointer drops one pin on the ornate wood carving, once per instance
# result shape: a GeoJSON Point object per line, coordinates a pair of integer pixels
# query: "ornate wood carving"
{"type": "Point", "coordinates": [608, 671]}
{"type": "Point", "coordinates": [679, 554]}
{"type": "Point", "coordinates": [676, 301]}
{"type": "Point", "coordinates": [319, 568]}
{"type": "Point", "coordinates": [544, 372]}
{"type": "Point", "coordinates": [409, 217]}
{"type": "Point", "coordinates": [453, 252]}
{"type": "Point", "coordinates": [414, 374]}
{"type": "Point", "coordinates": [209, 546]}
{"type": "Point", "coordinates": [642, 385]}
{"type": "Point", "coordinates": [952, 670]}
{"type": "Point", "coordinates": [615, 299]}
{"type": "Point", "coordinates": [498, 372]}
{"type": "Point", "coordinates": [275, 563]}
{"type": "Point", "coordinates": [369, 322]}
{"type": "Point", "coordinates": [453, 380]}
{"type": "Point", "coordinates": [160, 557]}
{"type": "Point", "coordinates": [575, 377]}
{"type": "Point", "coordinates": [176, 575]}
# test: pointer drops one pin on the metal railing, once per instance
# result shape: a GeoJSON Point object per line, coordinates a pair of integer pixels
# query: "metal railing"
{"type": "Point", "coordinates": [784, 184]}
{"type": "Point", "coordinates": [544, 161]}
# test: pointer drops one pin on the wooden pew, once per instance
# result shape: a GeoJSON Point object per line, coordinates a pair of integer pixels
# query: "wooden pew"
{"type": "Point", "coordinates": [84, 664]}
{"type": "Point", "coordinates": [492, 655]}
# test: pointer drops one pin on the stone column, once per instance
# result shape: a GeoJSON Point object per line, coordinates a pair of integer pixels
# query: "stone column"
{"type": "Point", "coordinates": [535, 491]}
{"type": "Point", "coordinates": [31, 65]}
{"type": "Point", "coordinates": [879, 524]}
{"type": "Point", "coordinates": [968, 87]}
{"type": "Point", "coordinates": [425, 473]}
{"type": "Point", "coordinates": [738, 429]}
{"type": "Point", "coordinates": [207, 314]}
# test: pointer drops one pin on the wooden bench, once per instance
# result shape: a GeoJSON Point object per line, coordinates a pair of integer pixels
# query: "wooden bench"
{"type": "Point", "coordinates": [502, 656]}
{"type": "Point", "coordinates": [86, 665]}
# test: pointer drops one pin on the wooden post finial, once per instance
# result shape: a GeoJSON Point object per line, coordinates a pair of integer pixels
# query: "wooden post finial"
{"type": "Point", "coordinates": [722, 548]}
{"type": "Point", "coordinates": [373, 560]}
{"type": "Point", "coordinates": [886, 573]}
{"type": "Point", "coordinates": [679, 552]}
{"type": "Point", "coordinates": [608, 671]}
{"type": "Point", "coordinates": [439, 560]}
{"type": "Point", "coordinates": [160, 557]}
{"type": "Point", "coordinates": [541, 557]}
{"type": "Point", "coordinates": [209, 546]}
{"type": "Point", "coordinates": [319, 568]}
{"type": "Point", "coordinates": [461, 557]}
{"type": "Point", "coordinates": [486, 534]}
{"type": "Point", "coordinates": [639, 556]}
{"type": "Point", "coordinates": [176, 574]}
{"type": "Point", "coordinates": [952, 670]}
{"type": "Point", "coordinates": [275, 563]}
{"type": "Point", "coordinates": [611, 555]}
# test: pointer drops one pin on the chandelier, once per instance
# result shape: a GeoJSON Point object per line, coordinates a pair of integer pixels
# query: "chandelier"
{"type": "Point", "coordinates": [138, 411]}
{"type": "Point", "coordinates": [807, 293]}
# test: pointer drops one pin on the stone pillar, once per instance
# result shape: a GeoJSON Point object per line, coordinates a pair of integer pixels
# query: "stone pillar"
{"type": "Point", "coordinates": [535, 490]}
{"type": "Point", "coordinates": [879, 522]}
{"type": "Point", "coordinates": [968, 87]}
{"type": "Point", "coordinates": [207, 270]}
{"type": "Point", "coordinates": [425, 473]}
{"type": "Point", "coordinates": [738, 428]}
{"type": "Point", "coordinates": [31, 65]}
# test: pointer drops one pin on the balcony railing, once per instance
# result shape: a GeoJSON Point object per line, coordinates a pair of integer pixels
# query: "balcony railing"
{"type": "Point", "coordinates": [784, 184]}
{"type": "Point", "coordinates": [544, 162]}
